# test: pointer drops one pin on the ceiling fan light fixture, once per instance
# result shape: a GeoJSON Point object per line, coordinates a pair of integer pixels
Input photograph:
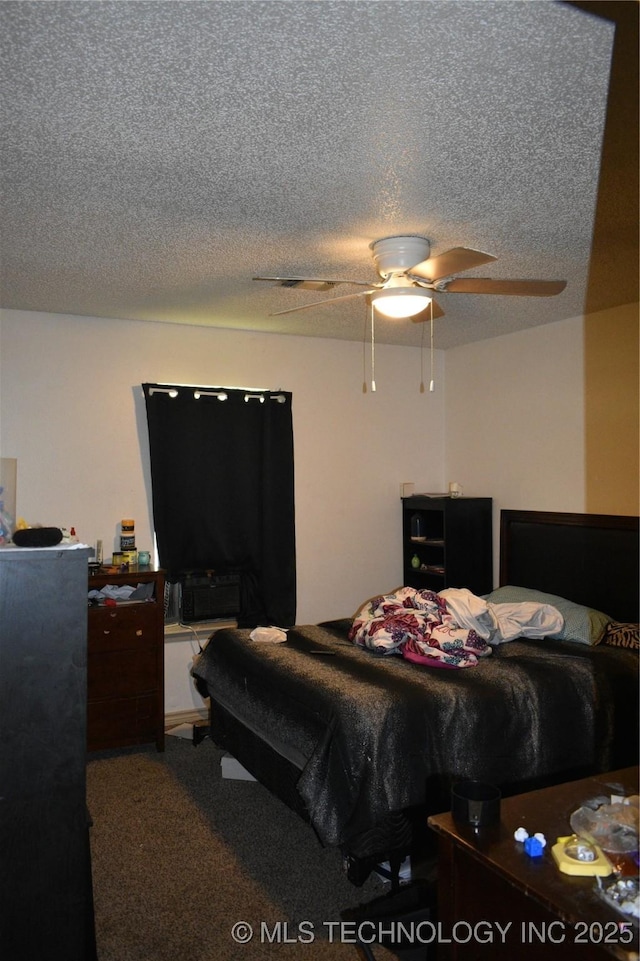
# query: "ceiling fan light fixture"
{"type": "Point", "coordinates": [399, 303]}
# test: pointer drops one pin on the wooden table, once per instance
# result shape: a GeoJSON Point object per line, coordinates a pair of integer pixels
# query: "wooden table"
{"type": "Point", "coordinates": [494, 901]}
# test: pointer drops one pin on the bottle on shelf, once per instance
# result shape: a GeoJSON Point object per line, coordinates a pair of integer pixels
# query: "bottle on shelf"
{"type": "Point", "coordinates": [418, 529]}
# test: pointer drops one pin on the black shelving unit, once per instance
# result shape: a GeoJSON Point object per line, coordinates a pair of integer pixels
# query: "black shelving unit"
{"type": "Point", "coordinates": [447, 542]}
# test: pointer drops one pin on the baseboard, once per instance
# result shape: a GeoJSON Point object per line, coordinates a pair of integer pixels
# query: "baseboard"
{"type": "Point", "coordinates": [193, 716]}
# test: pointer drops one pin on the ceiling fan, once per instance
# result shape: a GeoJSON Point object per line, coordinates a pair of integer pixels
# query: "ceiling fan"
{"type": "Point", "coordinates": [407, 273]}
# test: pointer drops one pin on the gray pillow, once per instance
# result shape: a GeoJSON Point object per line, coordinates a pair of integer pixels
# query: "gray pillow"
{"type": "Point", "coordinates": [582, 624]}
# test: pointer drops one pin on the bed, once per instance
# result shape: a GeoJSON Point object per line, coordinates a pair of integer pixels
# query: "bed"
{"type": "Point", "coordinates": [364, 746]}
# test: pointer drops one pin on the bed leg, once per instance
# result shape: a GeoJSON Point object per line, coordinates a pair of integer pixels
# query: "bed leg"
{"type": "Point", "coordinates": [395, 863]}
{"type": "Point", "coordinates": [201, 730]}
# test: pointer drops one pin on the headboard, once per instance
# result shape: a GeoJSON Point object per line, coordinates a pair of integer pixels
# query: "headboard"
{"type": "Point", "coordinates": [592, 559]}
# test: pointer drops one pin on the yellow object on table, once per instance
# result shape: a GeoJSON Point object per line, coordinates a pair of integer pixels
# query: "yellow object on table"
{"type": "Point", "coordinates": [599, 865]}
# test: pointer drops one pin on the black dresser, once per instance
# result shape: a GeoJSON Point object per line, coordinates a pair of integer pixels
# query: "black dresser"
{"type": "Point", "coordinates": [45, 887]}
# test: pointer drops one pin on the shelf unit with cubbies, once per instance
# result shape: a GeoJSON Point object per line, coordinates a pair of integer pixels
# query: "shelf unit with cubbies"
{"type": "Point", "coordinates": [447, 542]}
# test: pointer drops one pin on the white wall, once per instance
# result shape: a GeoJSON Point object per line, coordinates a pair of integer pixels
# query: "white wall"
{"type": "Point", "coordinates": [515, 420]}
{"type": "Point", "coordinates": [72, 413]}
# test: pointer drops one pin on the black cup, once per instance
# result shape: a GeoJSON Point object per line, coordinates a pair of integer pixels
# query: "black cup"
{"type": "Point", "coordinates": [475, 803]}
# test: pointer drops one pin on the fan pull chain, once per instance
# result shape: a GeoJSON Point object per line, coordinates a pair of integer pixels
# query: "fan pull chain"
{"type": "Point", "coordinates": [364, 355]}
{"type": "Point", "coordinates": [373, 350]}
{"type": "Point", "coordinates": [422, 358]}
{"type": "Point", "coordinates": [431, 382]}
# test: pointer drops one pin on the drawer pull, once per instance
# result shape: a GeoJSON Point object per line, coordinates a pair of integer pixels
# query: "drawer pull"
{"type": "Point", "coordinates": [106, 632]}
{"type": "Point", "coordinates": [138, 633]}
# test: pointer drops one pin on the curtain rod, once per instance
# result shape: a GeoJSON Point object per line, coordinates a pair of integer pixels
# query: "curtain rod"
{"type": "Point", "coordinates": [220, 393]}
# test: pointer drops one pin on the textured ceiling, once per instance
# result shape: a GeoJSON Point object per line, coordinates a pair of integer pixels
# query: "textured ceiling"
{"type": "Point", "coordinates": [155, 156]}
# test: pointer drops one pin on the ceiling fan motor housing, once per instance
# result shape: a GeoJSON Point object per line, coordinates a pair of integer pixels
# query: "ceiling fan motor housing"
{"type": "Point", "coordinates": [393, 254]}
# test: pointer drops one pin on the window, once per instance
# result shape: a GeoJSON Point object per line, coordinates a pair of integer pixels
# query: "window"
{"type": "Point", "coordinates": [223, 495]}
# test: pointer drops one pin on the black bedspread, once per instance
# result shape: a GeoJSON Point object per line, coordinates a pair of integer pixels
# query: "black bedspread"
{"type": "Point", "coordinates": [368, 732]}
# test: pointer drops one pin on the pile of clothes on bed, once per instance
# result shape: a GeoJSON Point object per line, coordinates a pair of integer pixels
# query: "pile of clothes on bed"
{"type": "Point", "coordinates": [451, 628]}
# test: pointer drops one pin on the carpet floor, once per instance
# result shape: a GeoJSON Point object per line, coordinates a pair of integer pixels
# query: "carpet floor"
{"type": "Point", "coordinates": [186, 863]}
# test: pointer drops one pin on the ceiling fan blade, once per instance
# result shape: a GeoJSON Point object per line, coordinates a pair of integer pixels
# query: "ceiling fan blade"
{"type": "Point", "coordinates": [322, 303]}
{"type": "Point", "coordinates": [450, 262]}
{"type": "Point", "coordinates": [425, 315]}
{"type": "Point", "coordinates": [513, 288]}
{"type": "Point", "coordinates": [310, 283]}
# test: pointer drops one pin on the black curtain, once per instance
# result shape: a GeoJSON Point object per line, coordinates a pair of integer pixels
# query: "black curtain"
{"type": "Point", "coordinates": [223, 497]}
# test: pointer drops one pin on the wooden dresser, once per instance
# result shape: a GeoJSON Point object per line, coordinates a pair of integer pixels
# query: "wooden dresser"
{"type": "Point", "coordinates": [506, 905]}
{"type": "Point", "coordinates": [125, 663]}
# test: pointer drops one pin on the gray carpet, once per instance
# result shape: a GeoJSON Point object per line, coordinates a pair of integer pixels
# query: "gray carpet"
{"type": "Point", "coordinates": [181, 854]}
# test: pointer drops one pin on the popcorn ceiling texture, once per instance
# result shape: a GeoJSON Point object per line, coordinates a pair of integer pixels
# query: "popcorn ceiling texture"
{"type": "Point", "coordinates": [157, 155]}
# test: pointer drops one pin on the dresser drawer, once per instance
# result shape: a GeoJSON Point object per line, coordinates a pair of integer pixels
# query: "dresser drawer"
{"type": "Point", "coordinates": [117, 628]}
{"type": "Point", "coordinates": [122, 673]}
{"type": "Point", "coordinates": [122, 721]}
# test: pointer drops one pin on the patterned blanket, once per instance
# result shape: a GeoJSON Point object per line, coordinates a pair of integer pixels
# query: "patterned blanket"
{"type": "Point", "coordinates": [452, 628]}
{"type": "Point", "coordinates": [420, 626]}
